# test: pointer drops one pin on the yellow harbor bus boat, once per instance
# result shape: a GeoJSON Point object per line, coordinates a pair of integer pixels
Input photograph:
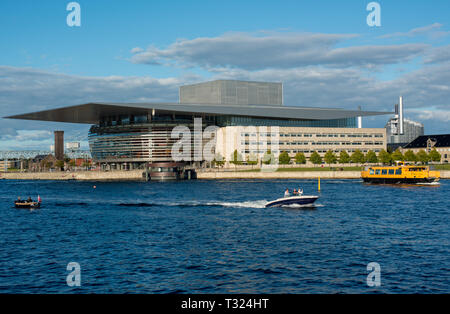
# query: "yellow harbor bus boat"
{"type": "Point", "coordinates": [400, 174]}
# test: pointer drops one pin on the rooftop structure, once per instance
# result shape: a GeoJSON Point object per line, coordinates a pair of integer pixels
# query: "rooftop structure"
{"type": "Point", "coordinates": [233, 93]}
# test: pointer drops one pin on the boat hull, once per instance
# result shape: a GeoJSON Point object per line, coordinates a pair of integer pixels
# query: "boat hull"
{"type": "Point", "coordinates": [400, 180]}
{"type": "Point", "coordinates": [289, 201]}
{"type": "Point", "coordinates": [31, 205]}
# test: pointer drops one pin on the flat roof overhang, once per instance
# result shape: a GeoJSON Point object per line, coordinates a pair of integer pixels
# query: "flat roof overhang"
{"type": "Point", "coordinates": [91, 113]}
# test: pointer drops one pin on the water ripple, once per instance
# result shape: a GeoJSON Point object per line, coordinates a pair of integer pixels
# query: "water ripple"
{"type": "Point", "coordinates": [217, 237]}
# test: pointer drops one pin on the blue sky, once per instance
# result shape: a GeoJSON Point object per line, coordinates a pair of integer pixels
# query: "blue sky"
{"type": "Point", "coordinates": [323, 51]}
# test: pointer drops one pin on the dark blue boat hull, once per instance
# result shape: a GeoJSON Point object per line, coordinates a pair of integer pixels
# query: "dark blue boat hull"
{"type": "Point", "coordinates": [289, 201]}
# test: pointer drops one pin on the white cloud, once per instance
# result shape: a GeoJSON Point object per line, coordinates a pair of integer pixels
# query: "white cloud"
{"type": "Point", "coordinates": [438, 55]}
{"type": "Point", "coordinates": [432, 30]}
{"type": "Point", "coordinates": [275, 50]}
{"type": "Point", "coordinates": [137, 50]}
{"type": "Point", "coordinates": [439, 115]}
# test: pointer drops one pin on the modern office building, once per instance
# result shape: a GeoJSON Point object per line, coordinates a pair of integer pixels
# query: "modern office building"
{"type": "Point", "coordinates": [255, 141]}
{"type": "Point", "coordinates": [411, 131]}
{"type": "Point", "coordinates": [427, 143]}
{"type": "Point", "coordinates": [129, 135]}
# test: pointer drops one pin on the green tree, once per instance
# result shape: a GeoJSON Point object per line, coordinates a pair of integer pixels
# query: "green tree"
{"type": "Point", "coordinates": [268, 158]}
{"type": "Point", "coordinates": [300, 158]}
{"type": "Point", "coordinates": [315, 158]}
{"type": "Point", "coordinates": [48, 164]}
{"type": "Point", "coordinates": [371, 157]}
{"type": "Point", "coordinates": [218, 160]}
{"type": "Point", "coordinates": [330, 157]}
{"type": "Point", "coordinates": [384, 157]}
{"type": "Point", "coordinates": [344, 157]}
{"type": "Point", "coordinates": [284, 158]}
{"type": "Point", "coordinates": [434, 155]}
{"type": "Point", "coordinates": [59, 164]}
{"type": "Point", "coordinates": [72, 163]}
{"type": "Point", "coordinates": [410, 156]}
{"type": "Point", "coordinates": [357, 157]}
{"type": "Point", "coordinates": [252, 159]}
{"type": "Point", "coordinates": [236, 158]}
{"type": "Point", "coordinates": [397, 156]}
{"type": "Point", "coordinates": [423, 157]}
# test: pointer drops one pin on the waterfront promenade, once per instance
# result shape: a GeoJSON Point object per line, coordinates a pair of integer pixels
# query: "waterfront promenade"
{"type": "Point", "coordinates": [136, 175]}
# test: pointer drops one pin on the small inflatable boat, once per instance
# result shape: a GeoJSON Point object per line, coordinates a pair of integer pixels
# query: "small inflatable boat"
{"type": "Point", "coordinates": [27, 205]}
{"type": "Point", "coordinates": [293, 200]}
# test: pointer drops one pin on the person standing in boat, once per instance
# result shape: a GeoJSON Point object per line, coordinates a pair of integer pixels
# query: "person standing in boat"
{"type": "Point", "coordinates": [295, 192]}
{"type": "Point", "coordinates": [286, 193]}
{"type": "Point", "coordinates": [300, 192]}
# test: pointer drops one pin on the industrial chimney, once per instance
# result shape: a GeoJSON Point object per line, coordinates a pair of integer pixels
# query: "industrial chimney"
{"type": "Point", "coordinates": [400, 117]}
{"type": "Point", "coordinates": [59, 145]}
{"type": "Point", "coordinates": [359, 119]}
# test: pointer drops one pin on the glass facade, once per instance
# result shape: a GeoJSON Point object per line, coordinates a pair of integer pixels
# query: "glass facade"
{"type": "Point", "coordinates": [126, 139]}
{"type": "Point", "coordinates": [251, 121]}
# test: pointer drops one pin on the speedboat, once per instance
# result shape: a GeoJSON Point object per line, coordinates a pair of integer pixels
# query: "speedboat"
{"type": "Point", "coordinates": [27, 205]}
{"type": "Point", "coordinates": [293, 200]}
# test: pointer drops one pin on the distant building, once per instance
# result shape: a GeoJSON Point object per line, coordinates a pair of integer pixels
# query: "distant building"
{"type": "Point", "coordinates": [41, 162]}
{"type": "Point", "coordinates": [411, 131]}
{"type": "Point", "coordinates": [79, 162]}
{"type": "Point", "coordinates": [7, 164]}
{"type": "Point", "coordinates": [72, 146]}
{"type": "Point", "coordinates": [429, 142]}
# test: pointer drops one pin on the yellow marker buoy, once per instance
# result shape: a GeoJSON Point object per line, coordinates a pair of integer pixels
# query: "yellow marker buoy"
{"type": "Point", "coordinates": [319, 184]}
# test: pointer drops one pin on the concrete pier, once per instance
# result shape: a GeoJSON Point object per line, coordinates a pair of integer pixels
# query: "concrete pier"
{"type": "Point", "coordinates": [133, 175]}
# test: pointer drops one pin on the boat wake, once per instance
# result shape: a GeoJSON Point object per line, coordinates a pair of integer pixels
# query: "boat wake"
{"type": "Point", "coordinates": [247, 204]}
{"type": "Point", "coordinates": [302, 206]}
{"type": "Point", "coordinates": [429, 183]}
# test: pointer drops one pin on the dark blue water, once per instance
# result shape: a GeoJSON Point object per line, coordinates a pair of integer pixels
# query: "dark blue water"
{"type": "Point", "coordinates": [217, 237]}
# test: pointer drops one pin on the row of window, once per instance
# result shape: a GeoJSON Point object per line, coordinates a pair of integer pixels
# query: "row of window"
{"type": "Point", "coordinates": [251, 121]}
{"type": "Point", "coordinates": [311, 135]}
{"type": "Point", "coordinates": [397, 171]}
{"type": "Point", "coordinates": [322, 143]}
{"type": "Point", "coordinates": [306, 151]}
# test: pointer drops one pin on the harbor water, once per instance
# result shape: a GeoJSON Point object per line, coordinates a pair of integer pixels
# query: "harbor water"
{"type": "Point", "coordinates": [217, 237]}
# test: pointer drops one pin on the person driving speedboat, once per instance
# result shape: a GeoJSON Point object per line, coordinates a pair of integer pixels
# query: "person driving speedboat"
{"type": "Point", "coordinates": [286, 193]}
